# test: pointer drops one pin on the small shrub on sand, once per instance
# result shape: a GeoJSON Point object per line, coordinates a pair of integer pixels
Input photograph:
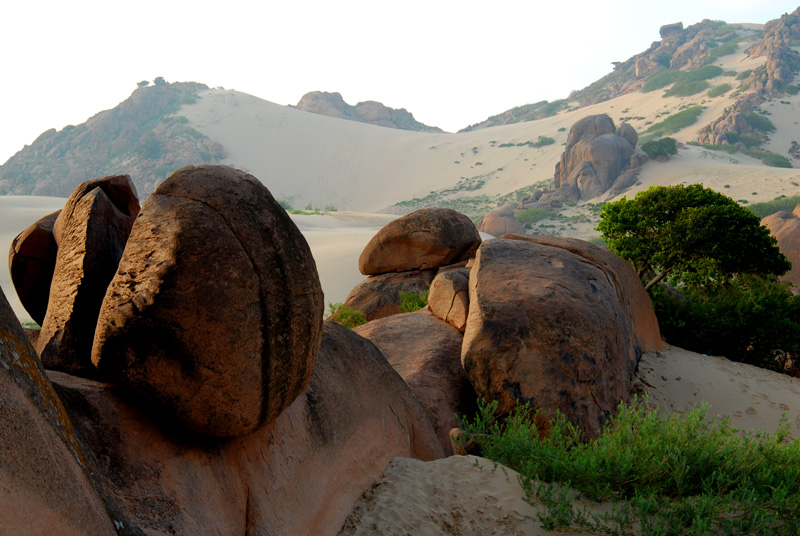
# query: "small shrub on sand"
{"type": "Point", "coordinates": [679, 475]}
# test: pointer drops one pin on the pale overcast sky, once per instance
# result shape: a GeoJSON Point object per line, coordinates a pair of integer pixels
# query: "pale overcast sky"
{"type": "Point", "coordinates": [450, 63]}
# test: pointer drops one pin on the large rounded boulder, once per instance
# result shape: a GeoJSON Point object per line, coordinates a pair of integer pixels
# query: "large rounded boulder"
{"type": "Point", "coordinates": [215, 313]}
{"type": "Point", "coordinates": [550, 327]}
{"type": "Point", "coordinates": [423, 240]}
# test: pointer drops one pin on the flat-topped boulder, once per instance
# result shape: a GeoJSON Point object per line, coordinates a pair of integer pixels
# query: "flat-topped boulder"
{"type": "Point", "coordinates": [215, 313]}
{"type": "Point", "coordinates": [423, 240]}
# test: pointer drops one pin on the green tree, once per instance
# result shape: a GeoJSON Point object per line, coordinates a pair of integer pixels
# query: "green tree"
{"type": "Point", "coordinates": [159, 81]}
{"type": "Point", "coordinates": [690, 234]}
{"type": "Point", "coordinates": [143, 83]}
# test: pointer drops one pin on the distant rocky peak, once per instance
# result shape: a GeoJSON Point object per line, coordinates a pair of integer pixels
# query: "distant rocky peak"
{"type": "Point", "coordinates": [372, 112]}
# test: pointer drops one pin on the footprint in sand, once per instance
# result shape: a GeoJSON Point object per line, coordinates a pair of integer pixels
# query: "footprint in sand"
{"type": "Point", "coordinates": [784, 407]}
{"type": "Point", "coordinates": [750, 411]}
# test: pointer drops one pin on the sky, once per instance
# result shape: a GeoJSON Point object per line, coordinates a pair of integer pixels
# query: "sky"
{"type": "Point", "coordinates": [450, 63]}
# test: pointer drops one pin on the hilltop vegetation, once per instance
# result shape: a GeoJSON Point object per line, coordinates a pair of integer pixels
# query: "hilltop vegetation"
{"type": "Point", "coordinates": [143, 136]}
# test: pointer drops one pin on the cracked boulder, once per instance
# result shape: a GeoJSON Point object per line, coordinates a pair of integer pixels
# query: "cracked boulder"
{"type": "Point", "coordinates": [215, 314]}
{"type": "Point", "coordinates": [553, 325]}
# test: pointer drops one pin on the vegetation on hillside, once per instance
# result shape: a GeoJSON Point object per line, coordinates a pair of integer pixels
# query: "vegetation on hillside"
{"type": "Point", "coordinates": [672, 475]}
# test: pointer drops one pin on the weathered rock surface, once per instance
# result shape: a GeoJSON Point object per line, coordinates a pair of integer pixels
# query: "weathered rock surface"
{"type": "Point", "coordinates": [301, 474]}
{"type": "Point", "coordinates": [631, 293]}
{"type": "Point", "coordinates": [776, 45]}
{"type": "Point", "coordinates": [215, 313]}
{"type": "Point", "coordinates": [90, 233]}
{"type": "Point", "coordinates": [31, 262]}
{"type": "Point", "coordinates": [372, 112]}
{"type": "Point", "coordinates": [44, 488]}
{"type": "Point", "coordinates": [425, 239]}
{"type": "Point", "coordinates": [378, 296]}
{"type": "Point", "coordinates": [547, 326]}
{"type": "Point", "coordinates": [785, 227]}
{"type": "Point", "coordinates": [426, 352]}
{"type": "Point", "coordinates": [594, 156]}
{"type": "Point", "coordinates": [449, 297]}
{"type": "Point", "coordinates": [500, 221]}
{"type": "Point", "coordinates": [671, 29]}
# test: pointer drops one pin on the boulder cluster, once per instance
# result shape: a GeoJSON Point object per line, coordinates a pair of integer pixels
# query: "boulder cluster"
{"type": "Point", "coordinates": [192, 385]}
{"type": "Point", "coordinates": [554, 322]}
{"type": "Point", "coordinates": [194, 388]}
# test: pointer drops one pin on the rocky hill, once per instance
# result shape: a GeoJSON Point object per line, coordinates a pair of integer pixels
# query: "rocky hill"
{"type": "Point", "coordinates": [372, 112]}
{"type": "Point", "coordinates": [143, 137]}
{"type": "Point", "coordinates": [681, 50]}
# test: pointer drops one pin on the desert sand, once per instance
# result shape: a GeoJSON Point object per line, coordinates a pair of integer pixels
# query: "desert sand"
{"type": "Point", "coordinates": [336, 241]}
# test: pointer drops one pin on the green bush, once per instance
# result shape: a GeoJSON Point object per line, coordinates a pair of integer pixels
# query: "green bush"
{"type": "Point", "coordinates": [674, 122]}
{"type": "Point", "coordinates": [532, 215]}
{"type": "Point", "coordinates": [702, 73]}
{"type": "Point", "coordinates": [659, 80]}
{"type": "Point", "coordinates": [346, 316]}
{"type": "Point", "coordinates": [770, 159]}
{"type": "Point", "coordinates": [759, 122]}
{"type": "Point", "coordinates": [752, 319]}
{"type": "Point", "coordinates": [744, 74]}
{"type": "Point", "coordinates": [672, 475]}
{"type": "Point", "coordinates": [685, 88]}
{"type": "Point", "coordinates": [413, 301]}
{"type": "Point", "coordinates": [722, 50]}
{"type": "Point", "coordinates": [662, 147]}
{"type": "Point", "coordinates": [721, 89]}
{"type": "Point", "coordinates": [778, 204]}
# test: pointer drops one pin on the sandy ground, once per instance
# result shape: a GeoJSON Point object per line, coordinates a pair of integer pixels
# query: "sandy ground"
{"type": "Point", "coordinates": [336, 241]}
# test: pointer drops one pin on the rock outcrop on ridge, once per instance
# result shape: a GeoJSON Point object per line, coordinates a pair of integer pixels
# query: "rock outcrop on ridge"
{"type": "Point", "coordinates": [371, 112]}
{"type": "Point", "coordinates": [594, 157]}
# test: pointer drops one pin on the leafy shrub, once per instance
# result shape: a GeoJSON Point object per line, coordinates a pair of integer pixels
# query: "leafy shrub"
{"type": "Point", "coordinates": [778, 204]}
{"type": "Point", "coordinates": [702, 73]}
{"type": "Point", "coordinates": [751, 319]}
{"type": "Point", "coordinates": [532, 215]}
{"type": "Point", "coordinates": [413, 301]}
{"type": "Point", "coordinates": [744, 74]}
{"type": "Point", "coordinates": [346, 316]}
{"type": "Point", "coordinates": [770, 159]}
{"type": "Point", "coordinates": [722, 50]}
{"type": "Point", "coordinates": [674, 475]}
{"type": "Point", "coordinates": [662, 147]}
{"type": "Point", "coordinates": [686, 88]}
{"type": "Point", "coordinates": [674, 122]}
{"type": "Point", "coordinates": [659, 80]}
{"type": "Point", "coordinates": [721, 89]}
{"type": "Point", "coordinates": [759, 122]}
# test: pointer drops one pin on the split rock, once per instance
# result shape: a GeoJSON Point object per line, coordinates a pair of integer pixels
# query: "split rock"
{"type": "Point", "coordinates": [215, 314]}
